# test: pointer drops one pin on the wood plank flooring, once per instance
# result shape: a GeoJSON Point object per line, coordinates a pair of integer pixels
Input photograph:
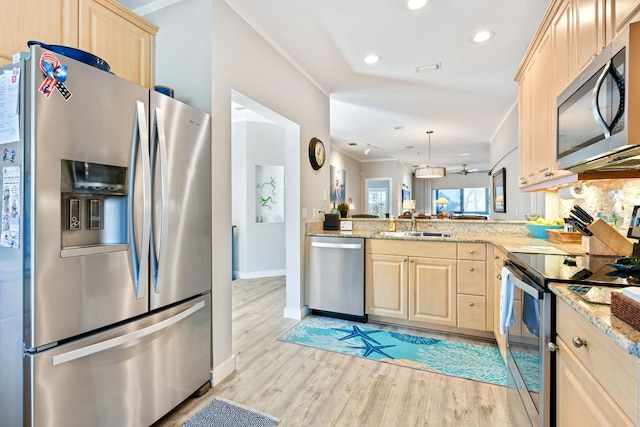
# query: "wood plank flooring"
{"type": "Point", "coordinates": [303, 386]}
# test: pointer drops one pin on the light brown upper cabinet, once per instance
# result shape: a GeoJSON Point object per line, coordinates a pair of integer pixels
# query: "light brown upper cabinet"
{"type": "Point", "coordinates": [51, 21]}
{"type": "Point", "coordinates": [120, 37]}
{"type": "Point", "coordinates": [570, 35]}
{"type": "Point", "coordinates": [102, 27]}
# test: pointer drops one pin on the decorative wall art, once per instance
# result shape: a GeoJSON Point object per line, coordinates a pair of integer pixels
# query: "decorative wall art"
{"type": "Point", "coordinates": [500, 191]}
{"type": "Point", "coordinates": [338, 182]}
{"type": "Point", "coordinates": [406, 193]}
{"type": "Point", "coordinates": [269, 194]}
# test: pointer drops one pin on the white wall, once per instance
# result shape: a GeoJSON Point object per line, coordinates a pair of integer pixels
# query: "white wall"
{"type": "Point", "coordinates": [382, 169]}
{"type": "Point", "coordinates": [505, 153]}
{"type": "Point", "coordinates": [260, 247]}
{"type": "Point", "coordinates": [183, 54]}
{"type": "Point", "coordinates": [243, 61]}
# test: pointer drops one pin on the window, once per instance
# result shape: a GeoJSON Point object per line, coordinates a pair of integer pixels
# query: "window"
{"type": "Point", "coordinates": [468, 201]}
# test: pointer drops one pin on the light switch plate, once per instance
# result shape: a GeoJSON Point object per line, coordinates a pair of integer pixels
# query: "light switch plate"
{"type": "Point", "coordinates": [346, 225]}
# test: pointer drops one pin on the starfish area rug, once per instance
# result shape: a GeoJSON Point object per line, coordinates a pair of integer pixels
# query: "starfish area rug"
{"type": "Point", "coordinates": [471, 361]}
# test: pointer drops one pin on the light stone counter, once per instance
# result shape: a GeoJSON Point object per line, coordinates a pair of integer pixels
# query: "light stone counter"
{"type": "Point", "coordinates": [501, 233]}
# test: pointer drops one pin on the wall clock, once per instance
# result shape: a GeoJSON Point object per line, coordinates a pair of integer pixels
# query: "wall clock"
{"type": "Point", "coordinates": [316, 153]}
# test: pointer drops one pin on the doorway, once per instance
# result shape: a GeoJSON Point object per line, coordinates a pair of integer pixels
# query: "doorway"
{"type": "Point", "coordinates": [377, 196]}
{"type": "Point", "coordinates": [244, 202]}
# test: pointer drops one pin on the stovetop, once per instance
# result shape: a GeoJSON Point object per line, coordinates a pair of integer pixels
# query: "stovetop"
{"type": "Point", "coordinates": [580, 269]}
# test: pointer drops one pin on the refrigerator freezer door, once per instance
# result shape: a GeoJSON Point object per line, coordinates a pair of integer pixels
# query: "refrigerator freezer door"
{"type": "Point", "coordinates": [73, 292]}
{"type": "Point", "coordinates": [181, 237]}
{"type": "Point", "coordinates": [128, 376]}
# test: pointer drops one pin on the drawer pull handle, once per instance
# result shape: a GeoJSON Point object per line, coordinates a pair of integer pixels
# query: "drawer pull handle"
{"type": "Point", "coordinates": [470, 304]}
{"type": "Point", "coordinates": [470, 268]}
{"type": "Point", "coordinates": [579, 342]}
{"type": "Point", "coordinates": [499, 277]}
{"type": "Point", "coordinates": [496, 257]}
{"type": "Point", "coordinates": [471, 252]}
{"type": "Point", "coordinates": [552, 347]}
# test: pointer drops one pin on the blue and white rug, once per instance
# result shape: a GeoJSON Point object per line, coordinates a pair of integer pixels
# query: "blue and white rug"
{"type": "Point", "coordinates": [221, 412]}
{"type": "Point", "coordinates": [472, 361]}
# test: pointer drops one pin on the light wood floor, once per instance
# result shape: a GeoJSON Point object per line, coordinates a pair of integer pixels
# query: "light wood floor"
{"type": "Point", "coordinates": [303, 386]}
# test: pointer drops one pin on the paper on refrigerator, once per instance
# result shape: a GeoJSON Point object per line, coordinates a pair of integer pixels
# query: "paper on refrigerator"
{"type": "Point", "coordinates": [10, 211]}
{"type": "Point", "coordinates": [9, 112]}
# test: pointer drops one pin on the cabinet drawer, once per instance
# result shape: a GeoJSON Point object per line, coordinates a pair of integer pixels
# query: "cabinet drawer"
{"type": "Point", "coordinates": [614, 369]}
{"type": "Point", "coordinates": [472, 312]}
{"type": "Point", "coordinates": [472, 277]}
{"type": "Point", "coordinates": [473, 251]}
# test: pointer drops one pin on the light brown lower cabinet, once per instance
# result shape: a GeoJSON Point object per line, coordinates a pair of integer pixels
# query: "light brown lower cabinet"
{"type": "Point", "coordinates": [420, 282]}
{"type": "Point", "coordinates": [596, 381]}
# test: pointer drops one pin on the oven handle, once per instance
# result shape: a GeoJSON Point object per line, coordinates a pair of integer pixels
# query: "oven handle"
{"type": "Point", "coordinates": [518, 278]}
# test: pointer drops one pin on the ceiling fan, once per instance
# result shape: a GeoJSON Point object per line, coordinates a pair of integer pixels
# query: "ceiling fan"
{"type": "Point", "coordinates": [464, 171]}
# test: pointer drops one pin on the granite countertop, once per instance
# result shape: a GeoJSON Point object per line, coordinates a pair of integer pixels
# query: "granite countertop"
{"type": "Point", "coordinates": [506, 241]}
{"type": "Point", "coordinates": [620, 332]}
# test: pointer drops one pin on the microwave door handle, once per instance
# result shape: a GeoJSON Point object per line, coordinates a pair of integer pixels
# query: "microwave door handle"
{"type": "Point", "coordinates": [619, 81]}
{"type": "Point", "coordinates": [595, 107]}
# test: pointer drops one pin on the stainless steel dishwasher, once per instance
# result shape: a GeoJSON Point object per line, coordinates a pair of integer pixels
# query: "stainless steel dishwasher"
{"type": "Point", "coordinates": [336, 277]}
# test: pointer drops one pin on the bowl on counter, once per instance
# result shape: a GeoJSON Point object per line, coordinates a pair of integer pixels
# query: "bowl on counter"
{"type": "Point", "coordinates": [540, 230]}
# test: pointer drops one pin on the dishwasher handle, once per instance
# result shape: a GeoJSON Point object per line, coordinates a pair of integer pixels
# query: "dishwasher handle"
{"type": "Point", "coordinates": [336, 245]}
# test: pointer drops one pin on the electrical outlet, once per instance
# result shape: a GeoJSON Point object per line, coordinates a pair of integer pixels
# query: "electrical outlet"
{"type": "Point", "coordinates": [324, 195]}
{"type": "Point", "coordinates": [315, 214]}
{"type": "Point", "coordinates": [303, 213]}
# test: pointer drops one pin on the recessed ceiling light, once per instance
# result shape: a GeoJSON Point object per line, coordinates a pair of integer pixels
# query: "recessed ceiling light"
{"type": "Point", "coordinates": [416, 4]}
{"type": "Point", "coordinates": [410, 146]}
{"type": "Point", "coordinates": [482, 36]}
{"type": "Point", "coordinates": [351, 143]}
{"type": "Point", "coordinates": [371, 59]}
{"type": "Point", "coordinates": [397, 127]}
{"type": "Point", "coordinates": [463, 154]}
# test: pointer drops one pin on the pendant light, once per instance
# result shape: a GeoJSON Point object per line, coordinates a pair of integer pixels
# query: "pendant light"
{"type": "Point", "coordinates": [431, 171]}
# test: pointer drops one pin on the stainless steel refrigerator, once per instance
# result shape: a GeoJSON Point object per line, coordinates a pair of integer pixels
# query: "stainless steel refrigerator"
{"type": "Point", "coordinates": [105, 247]}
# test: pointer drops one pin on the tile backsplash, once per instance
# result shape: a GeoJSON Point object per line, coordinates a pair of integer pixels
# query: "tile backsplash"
{"type": "Point", "coordinates": [612, 200]}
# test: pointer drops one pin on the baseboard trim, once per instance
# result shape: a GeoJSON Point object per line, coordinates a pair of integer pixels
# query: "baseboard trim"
{"type": "Point", "coordinates": [296, 313]}
{"type": "Point", "coordinates": [223, 370]}
{"type": "Point", "coordinates": [259, 274]}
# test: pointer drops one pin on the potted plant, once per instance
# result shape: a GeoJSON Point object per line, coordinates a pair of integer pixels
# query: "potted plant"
{"type": "Point", "coordinates": [344, 209]}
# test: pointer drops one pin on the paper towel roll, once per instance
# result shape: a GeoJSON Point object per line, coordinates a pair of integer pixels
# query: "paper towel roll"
{"type": "Point", "coordinates": [571, 192]}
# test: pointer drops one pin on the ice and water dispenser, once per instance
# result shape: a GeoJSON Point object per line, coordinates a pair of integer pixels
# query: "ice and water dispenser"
{"type": "Point", "coordinates": [94, 207]}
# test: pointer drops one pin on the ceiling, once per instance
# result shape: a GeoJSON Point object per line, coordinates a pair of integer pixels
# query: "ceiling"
{"type": "Point", "coordinates": [389, 106]}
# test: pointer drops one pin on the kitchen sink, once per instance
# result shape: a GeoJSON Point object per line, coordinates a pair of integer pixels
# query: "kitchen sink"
{"type": "Point", "coordinates": [413, 234]}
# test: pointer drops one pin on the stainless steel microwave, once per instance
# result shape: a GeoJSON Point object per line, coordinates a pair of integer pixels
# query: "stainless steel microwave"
{"type": "Point", "coordinates": [598, 114]}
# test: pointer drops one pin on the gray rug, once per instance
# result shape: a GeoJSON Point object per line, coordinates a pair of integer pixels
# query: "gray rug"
{"type": "Point", "coordinates": [225, 413]}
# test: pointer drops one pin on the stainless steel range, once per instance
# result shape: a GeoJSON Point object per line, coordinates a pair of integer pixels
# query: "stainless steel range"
{"type": "Point", "coordinates": [531, 328]}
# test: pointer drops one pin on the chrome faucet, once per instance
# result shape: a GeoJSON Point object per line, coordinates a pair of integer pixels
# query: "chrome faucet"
{"type": "Point", "coordinates": [413, 221]}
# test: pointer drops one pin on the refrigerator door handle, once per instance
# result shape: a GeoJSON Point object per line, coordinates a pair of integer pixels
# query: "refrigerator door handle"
{"type": "Point", "coordinates": [123, 339]}
{"type": "Point", "coordinates": [159, 252]}
{"type": "Point", "coordinates": [140, 258]}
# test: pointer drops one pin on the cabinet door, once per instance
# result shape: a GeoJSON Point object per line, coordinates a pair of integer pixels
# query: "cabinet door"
{"type": "Point", "coordinates": [386, 285]}
{"type": "Point", "coordinates": [624, 12]}
{"type": "Point", "coordinates": [497, 288]}
{"type": "Point", "coordinates": [51, 22]}
{"type": "Point", "coordinates": [589, 28]}
{"type": "Point", "coordinates": [563, 55]}
{"type": "Point", "coordinates": [581, 400]}
{"type": "Point", "coordinates": [120, 37]}
{"type": "Point", "coordinates": [432, 290]}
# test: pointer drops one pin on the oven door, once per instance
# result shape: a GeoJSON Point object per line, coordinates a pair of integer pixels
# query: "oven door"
{"type": "Point", "coordinates": [528, 356]}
